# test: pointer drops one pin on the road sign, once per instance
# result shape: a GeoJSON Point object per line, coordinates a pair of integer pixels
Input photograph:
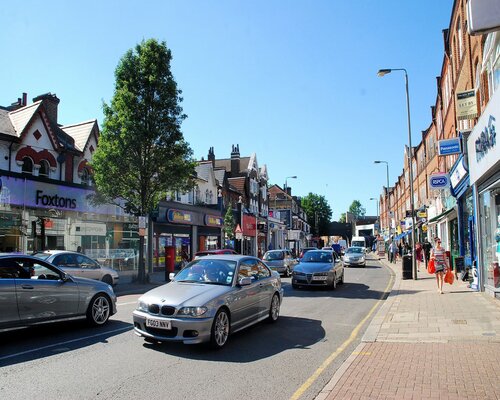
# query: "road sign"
{"type": "Point", "coordinates": [142, 222]}
{"type": "Point", "coordinates": [238, 233]}
{"type": "Point", "coordinates": [439, 181]}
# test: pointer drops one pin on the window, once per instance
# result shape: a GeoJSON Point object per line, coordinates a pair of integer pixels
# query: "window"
{"type": "Point", "coordinates": [207, 197]}
{"type": "Point", "coordinates": [44, 168]}
{"type": "Point", "coordinates": [460, 40]}
{"type": "Point", "coordinates": [85, 178]}
{"type": "Point", "coordinates": [27, 166]}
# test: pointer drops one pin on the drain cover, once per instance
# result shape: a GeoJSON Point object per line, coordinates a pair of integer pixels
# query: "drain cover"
{"type": "Point", "coordinates": [459, 321]}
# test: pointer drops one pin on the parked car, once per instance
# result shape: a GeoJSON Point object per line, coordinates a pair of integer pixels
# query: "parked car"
{"type": "Point", "coordinates": [280, 261]}
{"type": "Point", "coordinates": [33, 291]}
{"type": "Point", "coordinates": [77, 264]}
{"type": "Point", "coordinates": [318, 268]}
{"type": "Point", "coordinates": [209, 299]}
{"type": "Point", "coordinates": [305, 250]}
{"type": "Point", "coordinates": [213, 252]}
{"type": "Point", "coordinates": [355, 256]}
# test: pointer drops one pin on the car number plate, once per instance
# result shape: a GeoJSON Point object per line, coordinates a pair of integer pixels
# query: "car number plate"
{"type": "Point", "coordinates": [158, 323]}
{"type": "Point", "coordinates": [319, 278]}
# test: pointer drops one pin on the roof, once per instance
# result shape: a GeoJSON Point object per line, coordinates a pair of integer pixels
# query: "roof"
{"type": "Point", "coordinates": [22, 116]}
{"type": "Point", "coordinates": [203, 169]}
{"type": "Point", "coordinates": [238, 183]}
{"type": "Point", "coordinates": [226, 163]}
{"type": "Point", "coordinates": [6, 126]}
{"type": "Point", "coordinates": [219, 175]}
{"type": "Point", "coordinates": [80, 133]}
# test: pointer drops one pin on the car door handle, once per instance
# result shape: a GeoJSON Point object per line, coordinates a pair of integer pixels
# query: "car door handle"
{"type": "Point", "coordinates": [27, 287]}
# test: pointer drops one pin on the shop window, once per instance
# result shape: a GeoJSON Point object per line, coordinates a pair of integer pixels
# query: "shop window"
{"type": "Point", "coordinates": [27, 166]}
{"type": "Point", "coordinates": [44, 169]}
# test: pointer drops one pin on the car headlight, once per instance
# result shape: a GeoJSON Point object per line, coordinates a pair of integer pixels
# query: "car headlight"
{"type": "Point", "coordinates": [142, 306]}
{"type": "Point", "coordinates": [192, 311]}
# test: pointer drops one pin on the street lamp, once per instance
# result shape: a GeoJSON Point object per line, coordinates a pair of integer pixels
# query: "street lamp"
{"type": "Point", "coordinates": [387, 201]}
{"type": "Point", "coordinates": [378, 212]}
{"type": "Point", "coordinates": [286, 179]}
{"type": "Point", "coordinates": [382, 72]}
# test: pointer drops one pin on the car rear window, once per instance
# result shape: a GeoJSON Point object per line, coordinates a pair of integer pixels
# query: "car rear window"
{"type": "Point", "coordinates": [41, 256]}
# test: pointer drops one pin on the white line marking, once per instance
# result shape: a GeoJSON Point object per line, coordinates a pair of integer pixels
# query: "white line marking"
{"type": "Point", "coordinates": [62, 343]}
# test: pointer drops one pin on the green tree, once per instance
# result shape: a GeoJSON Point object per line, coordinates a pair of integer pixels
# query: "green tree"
{"type": "Point", "coordinates": [142, 153]}
{"type": "Point", "coordinates": [318, 213]}
{"type": "Point", "coordinates": [357, 209]}
{"type": "Point", "coordinates": [229, 224]}
{"type": "Point", "coordinates": [342, 218]}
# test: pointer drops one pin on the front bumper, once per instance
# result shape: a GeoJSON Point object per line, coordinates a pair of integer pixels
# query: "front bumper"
{"type": "Point", "coordinates": [182, 328]}
{"type": "Point", "coordinates": [304, 280]}
{"type": "Point", "coordinates": [354, 262]}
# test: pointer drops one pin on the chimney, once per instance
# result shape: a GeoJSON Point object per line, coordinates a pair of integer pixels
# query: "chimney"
{"type": "Point", "coordinates": [25, 100]}
{"type": "Point", "coordinates": [235, 160]}
{"type": "Point", "coordinates": [211, 156]}
{"type": "Point", "coordinates": [289, 191]}
{"type": "Point", "coordinates": [50, 101]}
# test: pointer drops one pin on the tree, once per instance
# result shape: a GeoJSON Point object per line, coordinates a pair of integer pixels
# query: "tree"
{"type": "Point", "coordinates": [142, 153]}
{"type": "Point", "coordinates": [318, 213]}
{"type": "Point", "coordinates": [229, 224]}
{"type": "Point", "coordinates": [342, 218]}
{"type": "Point", "coordinates": [357, 209]}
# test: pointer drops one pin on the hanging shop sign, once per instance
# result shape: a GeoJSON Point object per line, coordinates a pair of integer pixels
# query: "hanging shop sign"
{"type": "Point", "coordinates": [466, 106]}
{"type": "Point", "coordinates": [249, 225]}
{"type": "Point", "coordinates": [483, 150]}
{"type": "Point", "coordinates": [439, 181]}
{"type": "Point", "coordinates": [179, 216]}
{"type": "Point", "coordinates": [213, 220]}
{"type": "Point", "coordinates": [450, 146]}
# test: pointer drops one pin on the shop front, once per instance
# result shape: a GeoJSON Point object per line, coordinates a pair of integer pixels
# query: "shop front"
{"type": "Point", "coordinates": [484, 164]}
{"type": "Point", "coordinates": [38, 216]}
{"type": "Point", "coordinates": [181, 230]}
{"type": "Point", "coordinates": [249, 228]}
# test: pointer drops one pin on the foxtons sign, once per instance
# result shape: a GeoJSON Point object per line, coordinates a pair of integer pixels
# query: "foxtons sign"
{"type": "Point", "coordinates": [54, 201]}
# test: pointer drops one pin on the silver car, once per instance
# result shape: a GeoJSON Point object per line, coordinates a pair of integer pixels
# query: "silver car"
{"type": "Point", "coordinates": [355, 256]}
{"type": "Point", "coordinates": [33, 292]}
{"type": "Point", "coordinates": [208, 299]}
{"type": "Point", "coordinates": [78, 264]}
{"type": "Point", "coordinates": [318, 268]}
{"type": "Point", "coordinates": [280, 261]}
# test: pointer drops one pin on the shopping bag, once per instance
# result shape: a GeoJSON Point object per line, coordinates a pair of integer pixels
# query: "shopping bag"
{"type": "Point", "coordinates": [431, 268]}
{"type": "Point", "coordinates": [449, 277]}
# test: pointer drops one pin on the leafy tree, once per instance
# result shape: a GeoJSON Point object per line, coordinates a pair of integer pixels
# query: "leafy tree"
{"type": "Point", "coordinates": [357, 209]}
{"type": "Point", "coordinates": [229, 224]}
{"type": "Point", "coordinates": [342, 218]}
{"type": "Point", "coordinates": [318, 213]}
{"type": "Point", "coordinates": [142, 153]}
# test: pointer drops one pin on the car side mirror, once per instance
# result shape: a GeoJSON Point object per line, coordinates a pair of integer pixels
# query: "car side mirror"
{"type": "Point", "coordinates": [245, 281]}
{"type": "Point", "coordinates": [171, 276]}
{"type": "Point", "coordinates": [65, 277]}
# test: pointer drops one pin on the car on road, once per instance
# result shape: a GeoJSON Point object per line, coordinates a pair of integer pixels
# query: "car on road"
{"type": "Point", "coordinates": [33, 292]}
{"type": "Point", "coordinates": [213, 252]}
{"type": "Point", "coordinates": [209, 299]}
{"type": "Point", "coordinates": [318, 268]}
{"type": "Point", "coordinates": [280, 261]}
{"type": "Point", "coordinates": [78, 264]}
{"type": "Point", "coordinates": [305, 250]}
{"type": "Point", "coordinates": [355, 256]}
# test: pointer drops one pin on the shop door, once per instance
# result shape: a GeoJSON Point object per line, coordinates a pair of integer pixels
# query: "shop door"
{"type": "Point", "coordinates": [454, 243]}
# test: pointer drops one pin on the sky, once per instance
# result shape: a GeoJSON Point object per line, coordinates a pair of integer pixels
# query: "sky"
{"type": "Point", "coordinates": [293, 81]}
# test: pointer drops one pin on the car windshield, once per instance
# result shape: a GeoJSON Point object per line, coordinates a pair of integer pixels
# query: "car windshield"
{"type": "Point", "coordinates": [215, 272]}
{"type": "Point", "coordinates": [318, 256]}
{"type": "Point", "coordinates": [41, 256]}
{"type": "Point", "coordinates": [358, 250]}
{"type": "Point", "coordinates": [274, 255]}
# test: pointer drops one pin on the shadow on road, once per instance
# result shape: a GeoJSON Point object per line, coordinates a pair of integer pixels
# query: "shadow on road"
{"type": "Point", "coordinates": [45, 340]}
{"type": "Point", "coordinates": [255, 343]}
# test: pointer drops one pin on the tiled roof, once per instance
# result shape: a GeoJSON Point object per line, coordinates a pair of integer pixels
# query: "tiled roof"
{"type": "Point", "coordinates": [238, 183]}
{"type": "Point", "coordinates": [219, 175]}
{"type": "Point", "coordinates": [21, 117]}
{"type": "Point", "coordinates": [226, 164]}
{"type": "Point", "coordinates": [203, 169]}
{"type": "Point", "coordinates": [80, 133]}
{"type": "Point", "coordinates": [6, 126]}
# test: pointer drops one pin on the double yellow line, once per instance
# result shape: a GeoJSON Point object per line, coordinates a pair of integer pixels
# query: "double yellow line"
{"type": "Point", "coordinates": [300, 391]}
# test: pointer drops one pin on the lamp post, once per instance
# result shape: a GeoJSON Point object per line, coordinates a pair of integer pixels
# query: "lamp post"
{"type": "Point", "coordinates": [378, 211]}
{"type": "Point", "coordinates": [286, 179]}
{"type": "Point", "coordinates": [387, 201]}
{"type": "Point", "coordinates": [290, 209]}
{"type": "Point", "coordinates": [382, 72]}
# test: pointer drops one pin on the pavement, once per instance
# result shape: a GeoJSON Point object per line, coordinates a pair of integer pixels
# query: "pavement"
{"type": "Point", "coordinates": [425, 345]}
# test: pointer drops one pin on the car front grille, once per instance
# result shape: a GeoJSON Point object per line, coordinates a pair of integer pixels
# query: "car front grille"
{"type": "Point", "coordinates": [154, 308]}
{"type": "Point", "coordinates": [168, 310]}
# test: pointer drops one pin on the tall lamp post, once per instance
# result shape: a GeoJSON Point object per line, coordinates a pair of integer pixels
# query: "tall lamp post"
{"type": "Point", "coordinates": [382, 72]}
{"type": "Point", "coordinates": [295, 244]}
{"type": "Point", "coordinates": [387, 201]}
{"type": "Point", "coordinates": [286, 181]}
{"type": "Point", "coordinates": [378, 211]}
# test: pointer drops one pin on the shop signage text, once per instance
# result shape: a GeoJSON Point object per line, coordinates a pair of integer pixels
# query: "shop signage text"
{"type": "Point", "coordinates": [450, 146]}
{"type": "Point", "coordinates": [486, 140]}
{"type": "Point", "coordinates": [439, 181]}
{"type": "Point", "coordinates": [213, 220]}
{"type": "Point", "coordinates": [179, 216]}
{"type": "Point", "coordinates": [54, 201]}
{"type": "Point", "coordinates": [458, 173]}
{"type": "Point", "coordinates": [467, 105]}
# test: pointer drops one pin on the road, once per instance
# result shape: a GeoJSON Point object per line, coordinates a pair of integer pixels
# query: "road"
{"type": "Point", "coordinates": [294, 358]}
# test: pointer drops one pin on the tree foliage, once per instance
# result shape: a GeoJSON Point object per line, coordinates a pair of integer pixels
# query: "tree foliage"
{"type": "Point", "coordinates": [229, 224]}
{"type": "Point", "coordinates": [357, 209]}
{"type": "Point", "coordinates": [342, 218]}
{"type": "Point", "coordinates": [318, 213]}
{"type": "Point", "coordinates": [142, 153]}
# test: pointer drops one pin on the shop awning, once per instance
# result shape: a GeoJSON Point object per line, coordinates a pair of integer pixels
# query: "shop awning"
{"type": "Point", "coordinates": [440, 216]}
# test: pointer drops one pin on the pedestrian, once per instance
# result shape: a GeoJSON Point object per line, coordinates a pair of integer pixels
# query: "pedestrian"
{"type": "Point", "coordinates": [427, 251]}
{"type": "Point", "coordinates": [393, 250]}
{"type": "Point", "coordinates": [438, 254]}
{"type": "Point", "coordinates": [419, 253]}
{"type": "Point", "coordinates": [400, 249]}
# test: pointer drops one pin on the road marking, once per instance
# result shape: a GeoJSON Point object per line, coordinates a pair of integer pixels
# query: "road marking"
{"type": "Point", "coordinates": [63, 343]}
{"type": "Point", "coordinates": [300, 391]}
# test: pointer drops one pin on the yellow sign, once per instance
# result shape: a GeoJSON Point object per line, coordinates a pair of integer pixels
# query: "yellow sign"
{"type": "Point", "coordinates": [424, 228]}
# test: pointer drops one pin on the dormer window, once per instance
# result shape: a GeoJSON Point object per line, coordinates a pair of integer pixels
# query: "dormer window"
{"type": "Point", "coordinates": [85, 177]}
{"type": "Point", "coordinates": [27, 166]}
{"type": "Point", "coordinates": [44, 169]}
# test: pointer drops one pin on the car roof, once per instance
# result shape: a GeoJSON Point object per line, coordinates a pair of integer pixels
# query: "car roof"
{"type": "Point", "coordinates": [227, 257]}
{"type": "Point", "coordinates": [58, 251]}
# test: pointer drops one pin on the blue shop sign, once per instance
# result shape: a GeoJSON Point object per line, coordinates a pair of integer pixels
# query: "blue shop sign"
{"type": "Point", "coordinates": [439, 181]}
{"type": "Point", "coordinates": [450, 146]}
{"type": "Point", "coordinates": [459, 178]}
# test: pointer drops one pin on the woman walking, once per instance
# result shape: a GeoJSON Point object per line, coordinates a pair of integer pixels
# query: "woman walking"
{"type": "Point", "coordinates": [438, 254]}
{"type": "Point", "coordinates": [419, 251]}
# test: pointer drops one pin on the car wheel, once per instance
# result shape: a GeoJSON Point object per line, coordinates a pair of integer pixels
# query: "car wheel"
{"type": "Point", "coordinates": [99, 310]}
{"type": "Point", "coordinates": [220, 329]}
{"type": "Point", "coordinates": [107, 279]}
{"type": "Point", "coordinates": [341, 281]}
{"type": "Point", "coordinates": [274, 310]}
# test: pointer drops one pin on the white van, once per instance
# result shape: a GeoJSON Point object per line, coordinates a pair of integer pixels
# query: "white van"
{"type": "Point", "coordinates": [358, 241]}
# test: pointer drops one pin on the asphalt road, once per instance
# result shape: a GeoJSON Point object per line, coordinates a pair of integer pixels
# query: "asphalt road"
{"type": "Point", "coordinates": [294, 358]}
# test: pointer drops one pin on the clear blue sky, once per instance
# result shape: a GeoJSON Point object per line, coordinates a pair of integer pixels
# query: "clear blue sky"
{"type": "Point", "coordinates": [293, 81]}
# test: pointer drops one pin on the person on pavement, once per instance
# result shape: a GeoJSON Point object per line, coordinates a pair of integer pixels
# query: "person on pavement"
{"type": "Point", "coordinates": [393, 249]}
{"type": "Point", "coordinates": [419, 251]}
{"type": "Point", "coordinates": [438, 254]}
